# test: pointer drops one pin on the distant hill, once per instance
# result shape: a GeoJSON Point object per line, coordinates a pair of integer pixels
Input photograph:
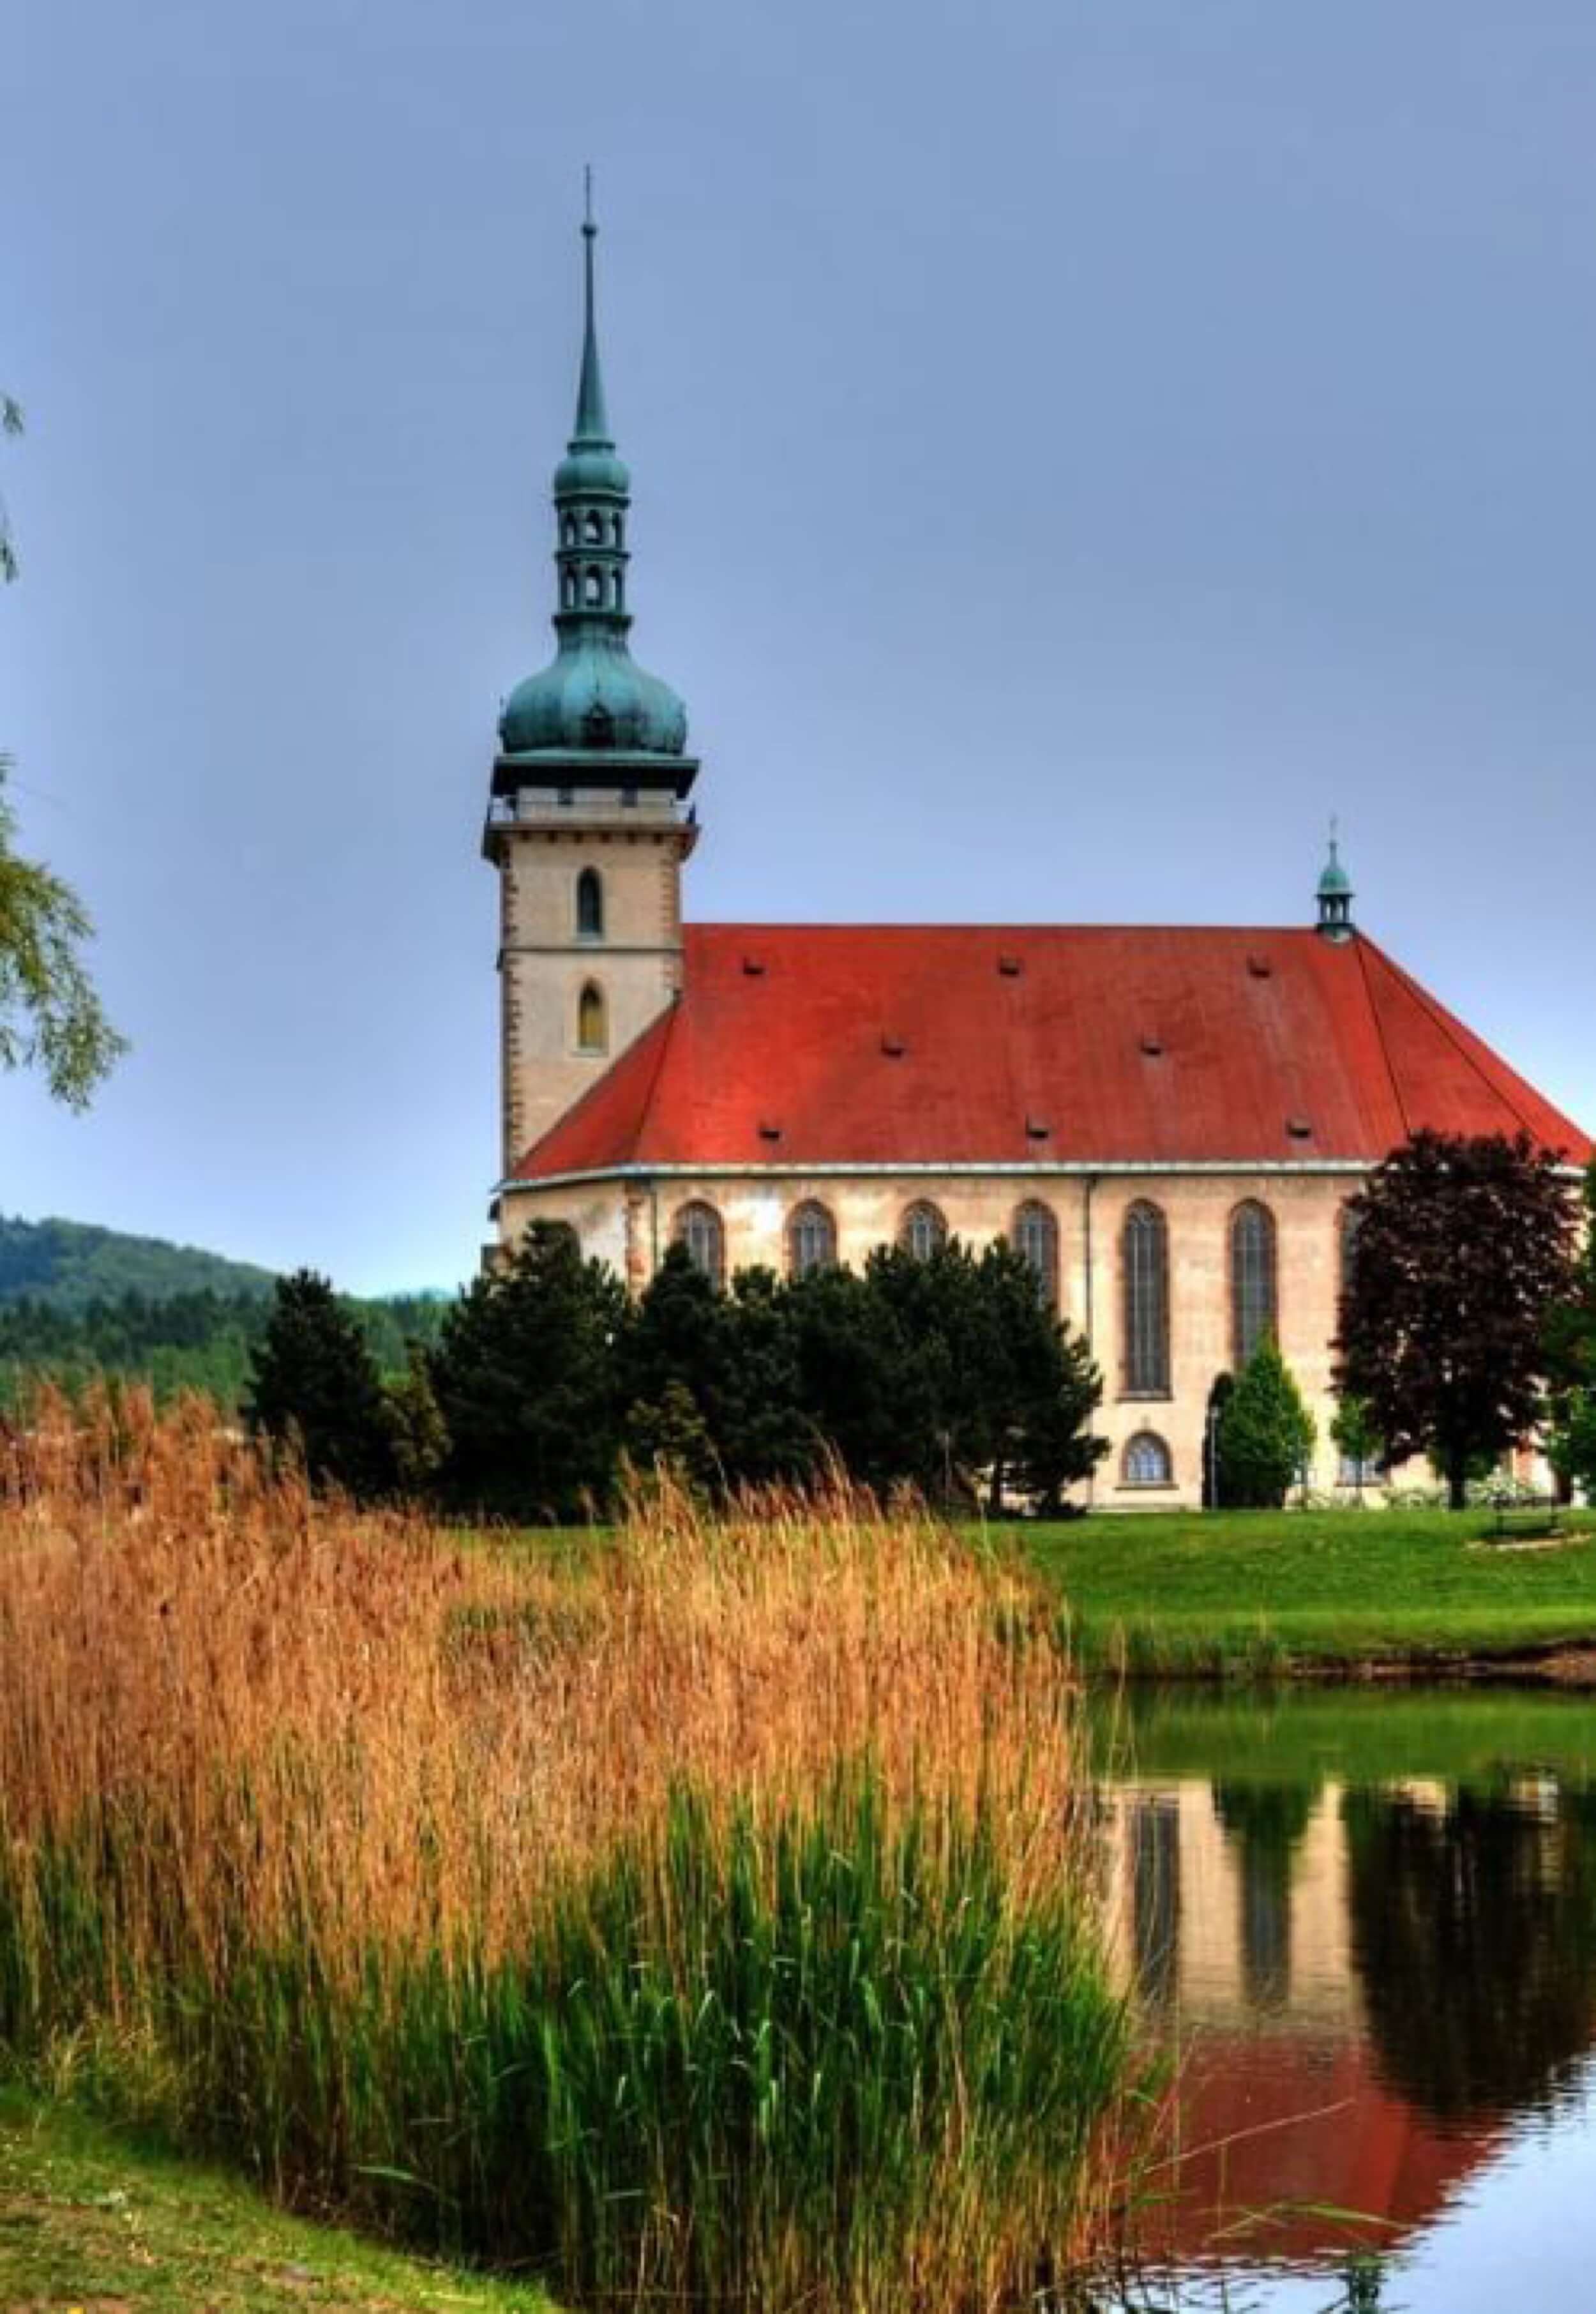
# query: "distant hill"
{"type": "Point", "coordinates": [67, 1264]}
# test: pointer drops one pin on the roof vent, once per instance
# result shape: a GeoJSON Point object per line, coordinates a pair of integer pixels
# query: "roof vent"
{"type": "Point", "coordinates": [1300, 1128]}
{"type": "Point", "coordinates": [768, 1132]}
{"type": "Point", "coordinates": [1009, 966]}
{"type": "Point", "coordinates": [1260, 968]}
{"type": "Point", "coordinates": [754, 967]}
{"type": "Point", "coordinates": [1037, 1128]}
{"type": "Point", "coordinates": [893, 1047]}
{"type": "Point", "coordinates": [1153, 1046]}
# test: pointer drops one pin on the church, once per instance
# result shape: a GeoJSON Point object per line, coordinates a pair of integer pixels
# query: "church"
{"type": "Point", "coordinates": [1168, 1122]}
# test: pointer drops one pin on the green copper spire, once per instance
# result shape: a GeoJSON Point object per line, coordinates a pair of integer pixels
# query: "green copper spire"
{"type": "Point", "coordinates": [593, 419]}
{"type": "Point", "coordinates": [593, 700]}
{"type": "Point", "coordinates": [1335, 895]}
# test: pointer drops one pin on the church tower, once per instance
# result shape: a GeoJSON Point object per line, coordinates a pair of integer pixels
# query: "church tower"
{"type": "Point", "coordinates": [587, 822]}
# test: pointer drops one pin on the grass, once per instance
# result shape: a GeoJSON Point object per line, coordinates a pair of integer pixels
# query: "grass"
{"type": "Point", "coordinates": [1354, 1733]}
{"type": "Point", "coordinates": [701, 1917]}
{"type": "Point", "coordinates": [114, 2224]}
{"type": "Point", "coordinates": [1251, 1593]}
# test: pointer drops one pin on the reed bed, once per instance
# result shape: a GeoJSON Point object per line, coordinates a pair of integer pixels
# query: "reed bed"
{"type": "Point", "coordinates": [710, 1923]}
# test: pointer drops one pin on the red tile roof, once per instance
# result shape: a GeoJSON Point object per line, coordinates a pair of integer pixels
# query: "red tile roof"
{"type": "Point", "coordinates": [966, 1045]}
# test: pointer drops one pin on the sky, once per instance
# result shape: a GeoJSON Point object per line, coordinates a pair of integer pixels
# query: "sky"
{"type": "Point", "coordinates": [1077, 447]}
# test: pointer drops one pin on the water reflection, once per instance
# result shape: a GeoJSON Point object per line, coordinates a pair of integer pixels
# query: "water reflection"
{"type": "Point", "coordinates": [1367, 1929]}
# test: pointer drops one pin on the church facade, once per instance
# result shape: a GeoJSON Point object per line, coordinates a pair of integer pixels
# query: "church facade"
{"type": "Point", "coordinates": [1168, 1122]}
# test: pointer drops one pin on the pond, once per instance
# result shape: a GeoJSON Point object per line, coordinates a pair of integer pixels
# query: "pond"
{"type": "Point", "coordinates": [1363, 1923]}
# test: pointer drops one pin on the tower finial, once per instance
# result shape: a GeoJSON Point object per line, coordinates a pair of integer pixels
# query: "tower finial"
{"type": "Point", "coordinates": [592, 421]}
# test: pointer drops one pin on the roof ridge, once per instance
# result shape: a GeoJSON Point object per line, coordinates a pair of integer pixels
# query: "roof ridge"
{"type": "Point", "coordinates": [1365, 949]}
{"type": "Point", "coordinates": [659, 1026]}
{"type": "Point", "coordinates": [1449, 1028]}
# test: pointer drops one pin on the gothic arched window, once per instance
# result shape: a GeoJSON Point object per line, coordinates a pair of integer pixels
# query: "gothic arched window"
{"type": "Point", "coordinates": [698, 1228]}
{"type": "Point", "coordinates": [1147, 1461]}
{"type": "Point", "coordinates": [1145, 1257]}
{"type": "Point", "coordinates": [590, 904]}
{"type": "Point", "coordinates": [1036, 1241]}
{"type": "Point", "coordinates": [1254, 1297]}
{"type": "Point", "coordinates": [811, 1239]}
{"type": "Point", "coordinates": [922, 1231]}
{"type": "Point", "coordinates": [593, 1020]}
{"type": "Point", "coordinates": [1350, 1223]}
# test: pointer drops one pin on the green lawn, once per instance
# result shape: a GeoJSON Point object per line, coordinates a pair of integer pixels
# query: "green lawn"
{"type": "Point", "coordinates": [1257, 1591]}
{"type": "Point", "coordinates": [92, 2219]}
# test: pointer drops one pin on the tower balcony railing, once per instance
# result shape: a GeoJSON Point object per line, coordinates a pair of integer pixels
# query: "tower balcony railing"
{"type": "Point", "coordinates": [552, 807]}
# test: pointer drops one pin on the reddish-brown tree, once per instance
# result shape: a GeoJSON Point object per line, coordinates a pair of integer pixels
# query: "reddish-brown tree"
{"type": "Point", "coordinates": [1461, 1248]}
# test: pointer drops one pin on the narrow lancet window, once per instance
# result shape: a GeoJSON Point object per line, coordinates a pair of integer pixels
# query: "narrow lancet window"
{"type": "Point", "coordinates": [1255, 1311]}
{"type": "Point", "coordinates": [811, 1239]}
{"type": "Point", "coordinates": [922, 1231]}
{"type": "Point", "coordinates": [1145, 1260]}
{"type": "Point", "coordinates": [698, 1228]}
{"type": "Point", "coordinates": [1036, 1241]}
{"type": "Point", "coordinates": [590, 904]}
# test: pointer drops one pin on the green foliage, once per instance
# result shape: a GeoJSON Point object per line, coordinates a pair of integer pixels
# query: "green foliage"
{"type": "Point", "coordinates": [50, 1017]}
{"type": "Point", "coordinates": [417, 1434]}
{"type": "Point", "coordinates": [315, 1386]}
{"type": "Point", "coordinates": [1463, 1248]}
{"type": "Point", "coordinates": [1354, 1435]}
{"type": "Point", "coordinates": [936, 1373]}
{"type": "Point", "coordinates": [1571, 1350]}
{"type": "Point", "coordinates": [1265, 1433]}
{"type": "Point", "coordinates": [527, 1373]}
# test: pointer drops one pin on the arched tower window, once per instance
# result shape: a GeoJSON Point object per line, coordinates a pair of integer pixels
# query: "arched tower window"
{"type": "Point", "coordinates": [922, 1229]}
{"type": "Point", "coordinates": [593, 528]}
{"type": "Point", "coordinates": [617, 535]}
{"type": "Point", "coordinates": [593, 1020]}
{"type": "Point", "coordinates": [593, 588]}
{"type": "Point", "coordinates": [1144, 1255]}
{"type": "Point", "coordinates": [567, 590]}
{"type": "Point", "coordinates": [568, 530]}
{"type": "Point", "coordinates": [618, 586]}
{"type": "Point", "coordinates": [590, 904]}
{"type": "Point", "coordinates": [698, 1228]}
{"type": "Point", "coordinates": [1148, 1462]}
{"type": "Point", "coordinates": [811, 1239]}
{"type": "Point", "coordinates": [1254, 1294]}
{"type": "Point", "coordinates": [1035, 1236]}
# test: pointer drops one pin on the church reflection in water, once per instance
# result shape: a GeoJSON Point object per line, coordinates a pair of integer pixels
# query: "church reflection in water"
{"type": "Point", "coordinates": [1364, 1986]}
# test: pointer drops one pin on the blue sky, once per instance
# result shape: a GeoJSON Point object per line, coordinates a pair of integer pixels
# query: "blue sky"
{"type": "Point", "coordinates": [1077, 446]}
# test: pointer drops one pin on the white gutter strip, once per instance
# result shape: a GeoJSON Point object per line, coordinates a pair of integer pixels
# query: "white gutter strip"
{"type": "Point", "coordinates": [1072, 1169]}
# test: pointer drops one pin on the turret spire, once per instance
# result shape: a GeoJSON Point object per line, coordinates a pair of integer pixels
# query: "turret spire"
{"type": "Point", "coordinates": [593, 420]}
{"type": "Point", "coordinates": [1336, 893]}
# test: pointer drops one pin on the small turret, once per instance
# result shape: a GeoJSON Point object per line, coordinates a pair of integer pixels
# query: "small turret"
{"type": "Point", "coordinates": [1336, 897]}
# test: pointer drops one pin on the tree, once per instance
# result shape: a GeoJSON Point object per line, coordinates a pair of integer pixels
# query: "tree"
{"type": "Point", "coordinates": [528, 1382]}
{"type": "Point", "coordinates": [313, 1381]}
{"type": "Point", "coordinates": [1265, 1433]}
{"type": "Point", "coordinates": [1355, 1434]}
{"type": "Point", "coordinates": [1464, 1246]}
{"type": "Point", "coordinates": [50, 1014]}
{"type": "Point", "coordinates": [1571, 1353]}
{"type": "Point", "coordinates": [417, 1434]}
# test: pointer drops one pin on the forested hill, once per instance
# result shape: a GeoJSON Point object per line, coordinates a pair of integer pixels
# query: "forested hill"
{"type": "Point", "coordinates": [78, 1303]}
{"type": "Point", "coordinates": [67, 1264]}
